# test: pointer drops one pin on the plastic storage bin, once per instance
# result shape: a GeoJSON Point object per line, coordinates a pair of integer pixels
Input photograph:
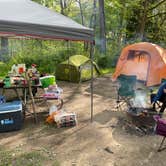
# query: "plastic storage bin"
{"type": "Point", "coordinates": [11, 116]}
{"type": "Point", "coordinates": [47, 80]}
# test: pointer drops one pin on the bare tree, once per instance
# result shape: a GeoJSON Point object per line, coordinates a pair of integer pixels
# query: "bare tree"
{"type": "Point", "coordinates": [143, 20]}
{"type": "Point", "coordinates": [63, 6]}
{"type": "Point", "coordinates": [102, 27]}
{"type": "Point", "coordinates": [81, 11]}
{"type": "Point", "coordinates": [93, 16]}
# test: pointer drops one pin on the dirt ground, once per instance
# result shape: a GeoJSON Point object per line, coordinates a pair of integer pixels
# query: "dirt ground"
{"type": "Point", "coordinates": [108, 141]}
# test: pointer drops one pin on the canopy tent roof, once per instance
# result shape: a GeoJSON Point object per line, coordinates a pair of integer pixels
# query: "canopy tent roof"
{"type": "Point", "coordinates": [27, 18]}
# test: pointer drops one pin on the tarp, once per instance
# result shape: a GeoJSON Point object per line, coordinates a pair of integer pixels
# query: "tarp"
{"type": "Point", "coordinates": [145, 60]}
{"type": "Point", "coordinates": [76, 69]}
{"type": "Point", "coordinates": [27, 18]}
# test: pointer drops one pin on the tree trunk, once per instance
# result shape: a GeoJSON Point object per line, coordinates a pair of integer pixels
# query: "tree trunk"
{"type": "Point", "coordinates": [93, 17]}
{"type": "Point", "coordinates": [82, 21]}
{"type": "Point", "coordinates": [81, 11]}
{"type": "Point", "coordinates": [4, 47]}
{"type": "Point", "coordinates": [62, 7]}
{"type": "Point", "coordinates": [92, 23]}
{"type": "Point", "coordinates": [122, 26]}
{"type": "Point", "coordinates": [102, 27]}
{"type": "Point", "coordinates": [143, 20]}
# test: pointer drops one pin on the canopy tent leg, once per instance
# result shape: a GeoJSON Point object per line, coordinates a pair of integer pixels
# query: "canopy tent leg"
{"type": "Point", "coordinates": [91, 85]}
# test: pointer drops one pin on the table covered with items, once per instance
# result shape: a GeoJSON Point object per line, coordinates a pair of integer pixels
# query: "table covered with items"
{"type": "Point", "coordinates": [25, 83]}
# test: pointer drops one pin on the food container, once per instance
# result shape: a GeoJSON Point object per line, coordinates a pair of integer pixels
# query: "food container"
{"type": "Point", "coordinates": [21, 68]}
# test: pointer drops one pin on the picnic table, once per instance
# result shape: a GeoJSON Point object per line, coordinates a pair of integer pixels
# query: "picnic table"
{"type": "Point", "coordinates": [28, 94]}
{"type": "Point", "coordinates": [24, 96]}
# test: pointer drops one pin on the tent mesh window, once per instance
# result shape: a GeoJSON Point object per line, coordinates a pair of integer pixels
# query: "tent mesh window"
{"type": "Point", "coordinates": [139, 55]}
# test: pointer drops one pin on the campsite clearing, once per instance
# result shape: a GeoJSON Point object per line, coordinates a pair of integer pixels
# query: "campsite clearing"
{"type": "Point", "coordinates": [108, 141]}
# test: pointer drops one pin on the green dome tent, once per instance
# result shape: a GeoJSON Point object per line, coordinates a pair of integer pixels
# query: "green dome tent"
{"type": "Point", "coordinates": [76, 69]}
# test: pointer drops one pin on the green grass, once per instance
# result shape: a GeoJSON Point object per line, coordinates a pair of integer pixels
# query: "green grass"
{"type": "Point", "coordinates": [33, 158]}
{"type": "Point", "coordinates": [107, 70]}
{"type": "Point", "coordinates": [3, 69]}
{"type": "Point", "coordinates": [5, 158]}
{"type": "Point", "coordinates": [2, 77]}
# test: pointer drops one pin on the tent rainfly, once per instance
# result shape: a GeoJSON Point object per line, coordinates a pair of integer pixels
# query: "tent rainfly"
{"type": "Point", "coordinates": [76, 69]}
{"type": "Point", "coordinates": [29, 19]}
{"type": "Point", "coordinates": [145, 60]}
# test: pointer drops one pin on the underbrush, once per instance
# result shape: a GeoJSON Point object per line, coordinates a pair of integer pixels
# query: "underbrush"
{"type": "Point", "coordinates": [107, 70]}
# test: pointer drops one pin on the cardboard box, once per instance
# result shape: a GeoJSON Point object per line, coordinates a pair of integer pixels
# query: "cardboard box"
{"type": "Point", "coordinates": [65, 119]}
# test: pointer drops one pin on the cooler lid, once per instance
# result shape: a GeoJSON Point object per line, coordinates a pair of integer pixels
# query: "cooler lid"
{"type": "Point", "coordinates": [13, 106]}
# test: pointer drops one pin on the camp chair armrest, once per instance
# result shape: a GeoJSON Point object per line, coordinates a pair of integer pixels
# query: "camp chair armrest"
{"type": "Point", "coordinates": [156, 117]}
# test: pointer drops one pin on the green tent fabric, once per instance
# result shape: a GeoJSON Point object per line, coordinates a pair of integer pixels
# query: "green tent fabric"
{"type": "Point", "coordinates": [76, 69]}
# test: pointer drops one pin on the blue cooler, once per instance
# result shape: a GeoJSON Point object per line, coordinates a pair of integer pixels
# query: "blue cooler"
{"type": "Point", "coordinates": [11, 116]}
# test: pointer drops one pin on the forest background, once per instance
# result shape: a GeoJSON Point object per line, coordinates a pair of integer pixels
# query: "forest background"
{"type": "Point", "coordinates": [116, 23]}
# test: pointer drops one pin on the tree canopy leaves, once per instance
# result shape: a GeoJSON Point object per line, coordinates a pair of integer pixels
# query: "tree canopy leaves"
{"type": "Point", "coordinates": [125, 21]}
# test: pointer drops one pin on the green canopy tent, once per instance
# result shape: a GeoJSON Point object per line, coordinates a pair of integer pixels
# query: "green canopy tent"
{"type": "Point", "coordinates": [76, 69]}
{"type": "Point", "coordinates": [29, 19]}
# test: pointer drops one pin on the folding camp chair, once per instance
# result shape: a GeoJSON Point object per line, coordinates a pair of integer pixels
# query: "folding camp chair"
{"type": "Point", "coordinates": [160, 129]}
{"type": "Point", "coordinates": [125, 90]}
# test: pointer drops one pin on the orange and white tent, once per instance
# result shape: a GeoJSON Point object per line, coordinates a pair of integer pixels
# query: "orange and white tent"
{"type": "Point", "coordinates": [145, 60]}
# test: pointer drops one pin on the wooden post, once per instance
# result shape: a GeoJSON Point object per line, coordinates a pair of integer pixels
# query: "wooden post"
{"type": "Point", "coordinates": [31, 96]}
